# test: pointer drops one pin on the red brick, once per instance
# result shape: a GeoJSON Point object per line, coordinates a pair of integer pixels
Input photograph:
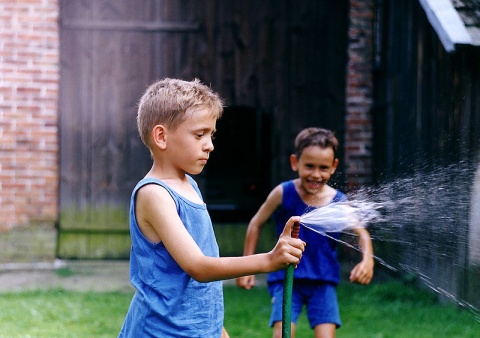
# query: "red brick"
{"type": "Point", "coordinates": [28, 111]}
{"type": "Point", "coordinates": [359, 90]}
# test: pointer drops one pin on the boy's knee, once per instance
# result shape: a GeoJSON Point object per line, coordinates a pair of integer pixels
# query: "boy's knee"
{"type": "Point", "coordinates": [277, 330]}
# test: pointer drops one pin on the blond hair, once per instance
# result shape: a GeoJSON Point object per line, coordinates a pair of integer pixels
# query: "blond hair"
{"type": "Point", "coordinates": [166, 101]}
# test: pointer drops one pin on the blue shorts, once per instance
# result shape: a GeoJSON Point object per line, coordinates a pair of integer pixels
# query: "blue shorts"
{"type": "Point", "coordinates": [320, 300]}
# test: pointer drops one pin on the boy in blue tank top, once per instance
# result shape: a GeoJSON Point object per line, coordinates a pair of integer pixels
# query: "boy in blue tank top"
{"type": "Point", "coordinates": [174, 260]}
{"type": "Point", "coordinates": [316, 277]}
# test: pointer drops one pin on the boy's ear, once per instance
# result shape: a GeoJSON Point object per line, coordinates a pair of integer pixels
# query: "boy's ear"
{"type": "Point", "coordinates": [159, 135]}
{"type": "Point", "coordinates": [294, 162]}
{"type": "Point", "coordinates": [335, 165]}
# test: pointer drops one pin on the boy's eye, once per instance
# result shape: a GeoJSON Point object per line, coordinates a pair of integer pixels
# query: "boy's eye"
{"type": "Point", "coordinates": [200, 135]}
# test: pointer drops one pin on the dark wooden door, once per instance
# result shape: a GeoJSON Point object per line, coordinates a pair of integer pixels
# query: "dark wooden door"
{"type": "Point", "coordinates": [110, 52]}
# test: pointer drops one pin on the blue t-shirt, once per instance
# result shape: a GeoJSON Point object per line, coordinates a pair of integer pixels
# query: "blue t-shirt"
{"type": "Point", "coordinates": [319, 260]}
{"type": "Point", "coordinates": [168, 302]}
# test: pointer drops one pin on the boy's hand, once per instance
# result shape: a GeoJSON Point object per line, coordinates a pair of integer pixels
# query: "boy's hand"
{"type": "Point", "coordinates": [246, 282]}
{"type": "Point", "coordinates": [288, 250]}
{"type": "Point", "coordinates": [362, 273]}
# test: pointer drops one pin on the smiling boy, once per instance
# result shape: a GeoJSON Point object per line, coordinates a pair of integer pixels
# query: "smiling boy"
{"type": "Point", "coordinates": [315, 279]}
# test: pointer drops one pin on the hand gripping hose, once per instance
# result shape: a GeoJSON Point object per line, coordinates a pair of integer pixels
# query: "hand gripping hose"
{"type": "Point", "coordinates": [287, 292]}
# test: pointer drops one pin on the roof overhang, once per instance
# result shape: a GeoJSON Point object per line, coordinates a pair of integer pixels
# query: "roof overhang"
{"type": "Point", "coordinates": [447, 23]}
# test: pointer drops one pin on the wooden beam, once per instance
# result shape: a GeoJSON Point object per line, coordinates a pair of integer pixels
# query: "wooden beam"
{"type": "Point", "coordinates": [135, 26]}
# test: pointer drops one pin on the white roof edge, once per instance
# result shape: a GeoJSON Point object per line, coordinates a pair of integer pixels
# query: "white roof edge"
{"type": "Point", "coordinates": [447, 23]}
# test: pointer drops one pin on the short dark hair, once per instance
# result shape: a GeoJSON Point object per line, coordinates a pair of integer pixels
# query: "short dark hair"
{"type": "Point", "coordinates": [323, 138]}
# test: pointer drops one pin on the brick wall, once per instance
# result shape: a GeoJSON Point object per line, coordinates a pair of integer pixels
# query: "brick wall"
{"type": "Point", "coordinates": [359, 91]}
{"type": "Point", "coordinates": [29, 75]}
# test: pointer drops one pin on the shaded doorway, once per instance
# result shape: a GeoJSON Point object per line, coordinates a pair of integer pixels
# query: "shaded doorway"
{"type": "Point", "coordinates": [238, 172]}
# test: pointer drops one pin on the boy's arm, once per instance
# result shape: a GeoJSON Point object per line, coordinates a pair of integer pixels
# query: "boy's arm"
{"type": "Point", "coordinates": [273, 201]}
{"type": "Point", "coordinates": [362, 273]}
{"type": "Point", "coordinates": [158, 219]}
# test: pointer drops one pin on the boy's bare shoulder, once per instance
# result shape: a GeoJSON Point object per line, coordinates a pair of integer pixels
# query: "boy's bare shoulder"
{"type": "Point", "coordinates": [277, 193]}
{"type": "Point", "coordinates": [152, 194]}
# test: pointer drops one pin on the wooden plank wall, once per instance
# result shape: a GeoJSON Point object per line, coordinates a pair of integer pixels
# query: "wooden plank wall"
{"type": "Point", "coordinates": [284, 58]}
{"type": "Point", "coordinates": [110, 52]}
{"type": "Point", "coordinates": [428, 111]}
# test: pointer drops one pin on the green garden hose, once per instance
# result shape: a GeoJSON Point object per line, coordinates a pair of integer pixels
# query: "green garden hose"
{"type": "Point", "coordinates": [287, 292]}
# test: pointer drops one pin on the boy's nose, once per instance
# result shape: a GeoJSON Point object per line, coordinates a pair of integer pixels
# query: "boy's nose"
{"type": "Point", "coordinates": [316, 173]}
{"type": "Point", "coordinates": [209, 146]}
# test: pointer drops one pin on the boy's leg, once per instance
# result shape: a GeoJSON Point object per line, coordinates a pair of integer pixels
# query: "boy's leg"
{"type": "Point", "coordinates": [321, 330]}
{"type": "Point", "coordinates": [325, 330]}
{"type": "Point", "coordinates": [224, 333]}
{"type": "Point", "coordinates": [276, 292]}
{"type": "Point", "coordinates": [277, 330]}
{"type": "Point", "coordinates": [323, 311]}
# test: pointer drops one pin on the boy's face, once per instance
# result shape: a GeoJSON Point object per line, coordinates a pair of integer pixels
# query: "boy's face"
{"type": "Point", "coordinates": [315, 167]}
{"type": "Point", "coordinates": [191, 143]}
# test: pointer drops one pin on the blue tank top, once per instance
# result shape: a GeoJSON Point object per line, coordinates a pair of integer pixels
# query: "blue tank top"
{"type": "Point", "coordinates": [319, 261]}
{"type": "Point", "coordinates": [168, 302]}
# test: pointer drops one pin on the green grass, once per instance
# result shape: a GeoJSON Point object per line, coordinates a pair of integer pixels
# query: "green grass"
{"type": "Point", "coordinates": [385, 310]}
{"type": "Point", "coordinates": [60, 313]}
{"type": "Point", "coordinates": [380, 311]}
{"type": "Point", "coordinates": [397, 310]}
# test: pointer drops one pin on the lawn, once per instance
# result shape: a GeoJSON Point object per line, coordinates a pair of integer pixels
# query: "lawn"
{"type": "Point", "coordinates": [384, 310]}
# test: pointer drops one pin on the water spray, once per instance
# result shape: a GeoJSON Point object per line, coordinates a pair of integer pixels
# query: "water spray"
{"type": "Point", "coordinates": [426, 225]}
{"type": "Point", "coordinates": [343, 216]}
{"type": "Point", "coordinates": [422, 220]}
